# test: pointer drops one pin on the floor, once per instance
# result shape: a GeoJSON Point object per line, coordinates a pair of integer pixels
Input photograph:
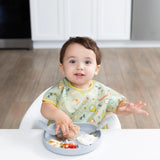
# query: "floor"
{"type": "Point", "coordinates": [134, 72]}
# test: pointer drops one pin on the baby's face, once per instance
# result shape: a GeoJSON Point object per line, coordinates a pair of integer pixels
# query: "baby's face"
{"type": "Point", "coordinates": [79, 65]}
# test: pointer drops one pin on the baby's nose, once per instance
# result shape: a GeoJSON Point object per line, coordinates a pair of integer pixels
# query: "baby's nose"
{"type": "Point", "coordinates": [80, 66]}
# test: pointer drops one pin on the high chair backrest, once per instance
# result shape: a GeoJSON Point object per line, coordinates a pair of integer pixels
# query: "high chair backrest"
{"type": "Point", "coordinates": [33, 114]}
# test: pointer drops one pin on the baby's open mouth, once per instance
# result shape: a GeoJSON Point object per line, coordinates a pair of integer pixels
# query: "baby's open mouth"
{"type": "Point", "coordinates": [79, 74]}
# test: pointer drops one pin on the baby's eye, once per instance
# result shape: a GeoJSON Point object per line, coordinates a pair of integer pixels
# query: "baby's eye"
{"type": "Point", "coordinates": [87, 62]}
{"type": "Point", "coordinates": [72, 61]}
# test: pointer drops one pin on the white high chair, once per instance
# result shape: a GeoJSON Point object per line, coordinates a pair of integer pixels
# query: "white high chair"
{"type": "Point", "coordinates": [33, 114]}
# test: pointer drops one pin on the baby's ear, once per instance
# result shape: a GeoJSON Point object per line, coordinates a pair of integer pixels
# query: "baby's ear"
{"type": "Point", "coordinates": [97, 70]}
{"type": "Point", "coordinates": [61, 67]}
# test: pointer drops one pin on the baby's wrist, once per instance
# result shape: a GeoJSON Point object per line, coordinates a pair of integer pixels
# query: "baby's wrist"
{"type": "Point", "coordinates": [122, 103]}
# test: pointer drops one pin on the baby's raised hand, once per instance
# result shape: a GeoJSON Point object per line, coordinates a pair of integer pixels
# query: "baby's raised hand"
{"type": "Point", "coordinates": [126, 108]}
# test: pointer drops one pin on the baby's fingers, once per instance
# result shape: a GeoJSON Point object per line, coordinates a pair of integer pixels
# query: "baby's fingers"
{"type": "Point", "coordinates": [73, 128]}
{"type": "Point", "coordinates": [139, 104]}
{"type": "Point", "coordinates": [143, 112]}
{"type": "Point", "coordinates": [57, 129]}
{"type": "Point", "coordinates": [64, 129]}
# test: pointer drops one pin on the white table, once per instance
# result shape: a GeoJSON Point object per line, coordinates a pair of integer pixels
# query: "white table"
{"type": "Point", "coordinates": [116, 145]}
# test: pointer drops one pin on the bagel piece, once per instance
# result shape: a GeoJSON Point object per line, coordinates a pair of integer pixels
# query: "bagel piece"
{"type": "Point", "coordinates": [71, 135]}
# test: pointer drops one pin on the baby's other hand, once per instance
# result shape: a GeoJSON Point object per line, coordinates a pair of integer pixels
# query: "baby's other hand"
{"type": "Point", "coordinates": [126, 108]}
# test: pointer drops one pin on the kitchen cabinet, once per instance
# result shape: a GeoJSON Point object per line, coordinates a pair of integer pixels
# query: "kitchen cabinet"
{"type": "Point", "coordinates": [54, 20]}
{"type": "Point", "coordinates": [113, 19]}
{"type": "Point", "coordinates": [47, 19]}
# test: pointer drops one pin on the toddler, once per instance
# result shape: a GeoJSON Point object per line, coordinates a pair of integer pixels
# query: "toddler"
{"type": "Point", "coordinates": [79, 98]}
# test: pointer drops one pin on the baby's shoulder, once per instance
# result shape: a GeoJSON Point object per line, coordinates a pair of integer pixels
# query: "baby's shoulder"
{"type": "Point", "coordinates": [59, 86]}
{"type": "Point", "coordinates": [101, 86]}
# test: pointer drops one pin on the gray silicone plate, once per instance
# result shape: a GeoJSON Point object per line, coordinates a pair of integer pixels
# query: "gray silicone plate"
{"type": "Point", "coordinates": [85, 128]}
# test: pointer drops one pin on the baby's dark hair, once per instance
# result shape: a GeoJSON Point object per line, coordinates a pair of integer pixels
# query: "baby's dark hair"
{"type": "Point", "coordinates": [84, 41]}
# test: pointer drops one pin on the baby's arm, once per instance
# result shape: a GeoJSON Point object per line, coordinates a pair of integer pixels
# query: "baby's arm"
{"type": "Point", "coordinates": [126, 108]}
{"type": "Point", "coordinates": [63, 121]}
